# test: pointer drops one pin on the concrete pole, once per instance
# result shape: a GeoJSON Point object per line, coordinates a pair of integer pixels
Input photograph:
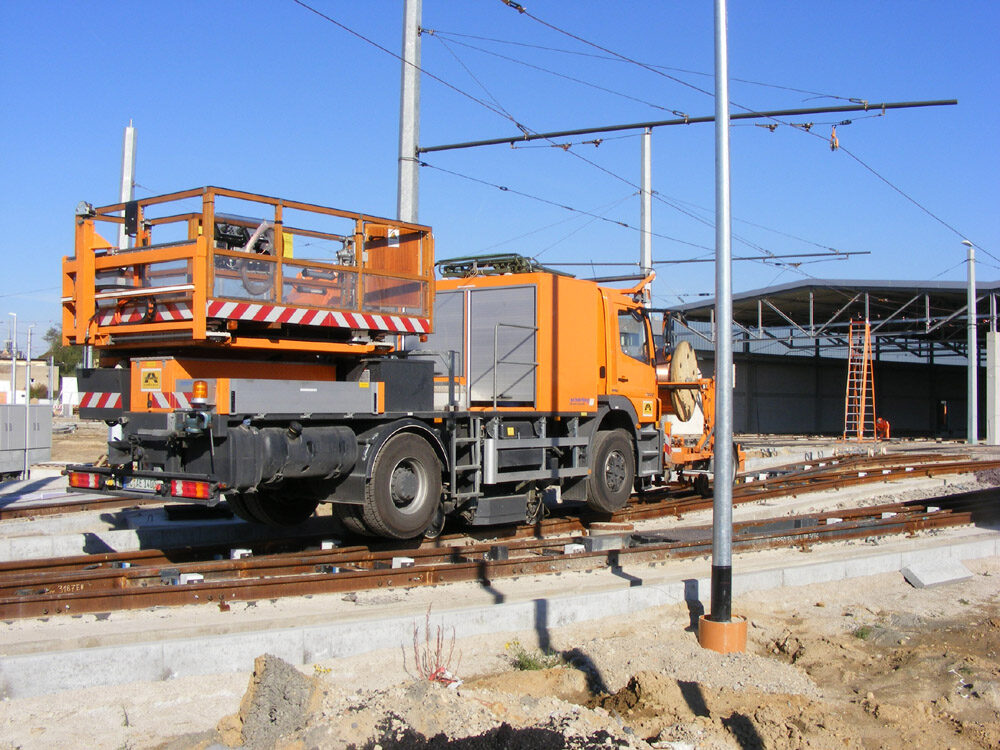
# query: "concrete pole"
{"type": "Point", "coordinates": [407, 197]}
{"type": "Point", "coordinates": [26, 471]}
{"type": "Point", "coordinates": [993, 377]}
{"type": "Point", "coordinates": [992, 388]}
{"type": "Point", "coordinates": [646, 213]}
{"type": "Point", "coordinates": [13, 361]}
{"type": "Point", "coordinates": [52, 380]}
{"type": "Point", "coordinates": [972, 425]}
{"type": "Point", "coordinates": [128, 179]}
{"type": "Point", "coordinates": [722, 506]}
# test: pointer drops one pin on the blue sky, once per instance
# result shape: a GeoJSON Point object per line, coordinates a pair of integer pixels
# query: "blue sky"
{"type": "Point", "coordinates": [268, 97]}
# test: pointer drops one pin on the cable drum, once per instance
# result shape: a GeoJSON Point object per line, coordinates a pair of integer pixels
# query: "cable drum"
{"type": "Point", "coordinates": [684, 369]}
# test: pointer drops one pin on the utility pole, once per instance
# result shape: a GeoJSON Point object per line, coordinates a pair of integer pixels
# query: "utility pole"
{"type": "Point", "coordinates": [128, 179]}
{"type": "Point", "coordinates": [52, 380]}
{"type": "Point", "coordinates": [972, 426]}
{"type": "Point", "coordinates": [407, 195]}
{"type": "Point", "coordinates": [646, 213]}
{"type": "Point", "coordinates": [13, 360]}
{"type": "Point", "coordinates": [26, 471]}
{"type": "Point", "coordinates": [718, 630]}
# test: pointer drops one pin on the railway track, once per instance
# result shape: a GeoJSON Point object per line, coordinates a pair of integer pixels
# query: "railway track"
{"type": "Point", "coordinates": [112, 581]}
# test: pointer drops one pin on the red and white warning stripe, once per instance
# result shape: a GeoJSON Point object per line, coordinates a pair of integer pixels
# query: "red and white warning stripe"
{"type": "Point", "coordinates": [98, 400]}
{"type": "Point", "coordinates": [326, 318]}
{"type": "Point", "coordinates": [165, 312]}
{"type": "Point", "coordinates": [170, 400]}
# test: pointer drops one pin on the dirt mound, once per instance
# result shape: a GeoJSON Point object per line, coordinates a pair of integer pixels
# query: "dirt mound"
{"type": "Point", "coordinates": [665, 709]}
{"type": "Point", "coordinates": [276, 704]}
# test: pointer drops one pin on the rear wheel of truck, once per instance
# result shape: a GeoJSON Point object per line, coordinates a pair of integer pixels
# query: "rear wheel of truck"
{"type": "Point", "coordinates": [285, 505]}
{"type": "Point", "coordinates": [612, 471]}
{"type": "Point", "coordinates": [352, 518]}
{"type": "Point", "coordinates": [238, 505]}
{"type": "Point", "coordinates": [403, 495]}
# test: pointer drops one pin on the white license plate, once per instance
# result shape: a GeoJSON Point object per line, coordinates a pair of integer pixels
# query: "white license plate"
{"type": "Point", "coordinates": [140, 484]}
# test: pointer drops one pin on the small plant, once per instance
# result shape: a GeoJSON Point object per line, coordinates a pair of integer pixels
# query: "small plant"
{"type": "Point", "coordinates": [529, 661]}
{"type": "Point", "coordinates": [429, 659]}
{"type": "Point", "coordinates": [863, 632]}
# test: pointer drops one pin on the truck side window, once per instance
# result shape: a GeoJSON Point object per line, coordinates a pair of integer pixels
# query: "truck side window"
{"type": "Point", "coordinates": [632, 335]}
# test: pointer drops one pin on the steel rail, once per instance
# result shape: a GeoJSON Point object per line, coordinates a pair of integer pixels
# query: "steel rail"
{"type": "Point", "coordinates": [334, 571]}
{"type": "Point", "coordinates": [812, 479]}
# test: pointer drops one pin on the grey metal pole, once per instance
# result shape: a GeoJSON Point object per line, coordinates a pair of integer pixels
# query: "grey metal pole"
{"type": "Point", "coordinates": [722, 503]}
{"type": "Point", "coordinates": [128, 179]}
{"type": "Point", "coordinates": [972, 426]}
{"type": "Point", "coordinates": [52, 381]}
{"type": "Point", "coordinates": [646, 213]}
{"type": "Point", "coordinates": [26, 471]}
{"type": "Point", "coordinates": [409, 115]}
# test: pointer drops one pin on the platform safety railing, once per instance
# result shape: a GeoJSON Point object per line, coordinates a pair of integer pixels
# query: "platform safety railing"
{"type": "Point", "coordinates": [203, 274]}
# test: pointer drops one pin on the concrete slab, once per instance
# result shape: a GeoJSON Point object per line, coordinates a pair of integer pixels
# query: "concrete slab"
{"type": "Point", "coordinates": [935, 572]}
{"type": "Point", "coordinates": [339, 628]}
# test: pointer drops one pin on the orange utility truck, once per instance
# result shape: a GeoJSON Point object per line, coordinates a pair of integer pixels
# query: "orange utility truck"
{"type": "Point", "coordinates": [276, 355]}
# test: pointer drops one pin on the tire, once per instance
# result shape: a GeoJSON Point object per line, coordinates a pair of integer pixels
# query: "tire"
{"type": "Point", "coordinates": [238, 505]}
{"type": "Point", "coordinates": [351, 517]}
{"type": "Point", "coordinates": [702, 485]}
{"type": "Point", "coordinates": [281, 506]}
{"type": "Point", "coordinates": [403, 494]}
{"type": "Point", "coordinates": [612, 471]}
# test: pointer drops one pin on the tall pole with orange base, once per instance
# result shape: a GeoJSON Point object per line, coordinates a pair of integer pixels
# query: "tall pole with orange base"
{"type": "Point", "coordinates": [719, 630]}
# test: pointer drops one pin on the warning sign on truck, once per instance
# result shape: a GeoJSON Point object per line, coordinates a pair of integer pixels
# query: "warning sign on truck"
{"type": "Point", "coordinates": [150, 378]}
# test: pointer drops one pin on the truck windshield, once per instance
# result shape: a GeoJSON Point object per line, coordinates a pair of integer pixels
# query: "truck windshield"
{"type": "Point", "coordinates": [632, 335]}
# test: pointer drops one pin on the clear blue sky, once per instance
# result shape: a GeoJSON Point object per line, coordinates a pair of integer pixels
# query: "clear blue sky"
{"type": "Point", "coordinates": [268, 97]}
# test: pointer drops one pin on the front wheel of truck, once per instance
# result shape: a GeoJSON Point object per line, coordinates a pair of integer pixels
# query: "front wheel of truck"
{"type": "Point", "coordinates": [403, 494]}
{"type": "Point", "coordinates": [612, 471]}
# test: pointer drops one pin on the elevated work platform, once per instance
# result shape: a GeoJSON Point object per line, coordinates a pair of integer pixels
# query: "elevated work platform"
{"type": "Point", "coordinates": [217, 267]}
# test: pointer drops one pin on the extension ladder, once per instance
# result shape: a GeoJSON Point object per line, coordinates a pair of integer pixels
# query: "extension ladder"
{"type": "Point", "coordinates": [859, 402]}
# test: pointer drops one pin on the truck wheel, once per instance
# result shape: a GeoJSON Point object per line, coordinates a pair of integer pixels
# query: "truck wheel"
{"type": "Point", "coordinates": [403, 495]}
{"type": "Point", "coordinates": [612, 471]}
{"type": "Point", "coordinates": [281, 506]}
{"type": "Point", "coordinates": [352, 519]}
{"type": "Point", "coordinates": [238, 505]}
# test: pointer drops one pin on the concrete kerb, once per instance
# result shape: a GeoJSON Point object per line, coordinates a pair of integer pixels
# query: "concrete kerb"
{"type": "Point", "coordinates": [43, 673]}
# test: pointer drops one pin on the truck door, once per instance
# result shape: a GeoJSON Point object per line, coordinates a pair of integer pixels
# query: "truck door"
{"type": "Point", "coordinates": [630, 353]}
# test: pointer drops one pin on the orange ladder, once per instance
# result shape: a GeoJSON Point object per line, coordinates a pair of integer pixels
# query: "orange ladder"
{"type": "Point", "coordinates": [859, 402]}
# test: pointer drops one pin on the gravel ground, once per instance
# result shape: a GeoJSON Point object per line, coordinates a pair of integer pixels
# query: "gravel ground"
{"type": "Point", "coordinates": [864, 663]}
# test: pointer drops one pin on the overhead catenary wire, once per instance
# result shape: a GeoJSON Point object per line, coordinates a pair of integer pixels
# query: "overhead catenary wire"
{"type": "Point", "coordinates": [749, 114]}
{"type": "Point", "coordinates": [686, 120]}
{"type": "Point", "coordinates": [496, 109]}
{"type": "Point", "coordinates": [564, 76]}
{"type": "Point", "coordinates": [389, 52]}
{"type": "Point", "coordinates": [602, 209]}
{"type": "Point", "coordinates": [523, 11]}
{"type": "Point", "coordinates": [775, 257]}
{"type": "Point", "coordinates": [687, 71]}
{"type": "Point", "coordinates": [505, 189]}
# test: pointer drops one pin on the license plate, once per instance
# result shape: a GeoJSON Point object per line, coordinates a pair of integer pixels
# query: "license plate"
{"type": "Point", "coordinates": [140, 484]}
